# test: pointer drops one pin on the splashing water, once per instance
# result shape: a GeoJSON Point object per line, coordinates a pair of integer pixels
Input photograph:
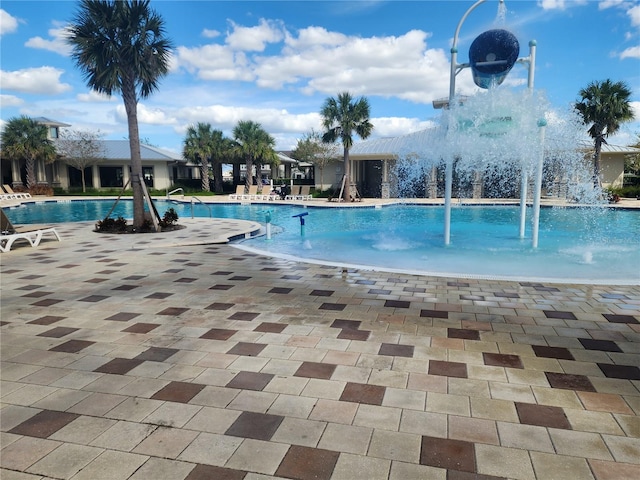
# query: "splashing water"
{"type": "Point", "coordinates": [501, 16]}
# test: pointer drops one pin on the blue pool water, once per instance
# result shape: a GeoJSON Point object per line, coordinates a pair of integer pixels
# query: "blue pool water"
{"type": "Point", "coordinates": [575, 244]}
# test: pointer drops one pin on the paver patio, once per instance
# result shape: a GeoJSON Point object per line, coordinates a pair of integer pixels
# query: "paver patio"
{"type": "Point", "coordinates": [150, 357]}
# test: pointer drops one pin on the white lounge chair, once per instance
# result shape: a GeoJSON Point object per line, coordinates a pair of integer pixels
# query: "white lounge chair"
{"type": "Point", "coordinates": [267, 194]}
{"type": "Point", "coordinates": [9, 190]}
{"type": "Point", "coordinates": [295, 191]}
{"type": "Point", "coordinates": [252, 194]}
{"type": "Point", "coordinates": [31, 233]}
{"type": "Point", "coordinates": [305, 193]}
{"type": "Point", "coordinates": [238, 194]}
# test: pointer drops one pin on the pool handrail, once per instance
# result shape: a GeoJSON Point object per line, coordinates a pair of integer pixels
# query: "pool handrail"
{"type": "Point", "coordinates": [193, 199]}
{"type": "Point", "coordinates": [174, 191]}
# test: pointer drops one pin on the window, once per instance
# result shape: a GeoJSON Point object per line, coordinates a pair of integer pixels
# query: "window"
{"type": "Point", "coordinates": [111, 176]}
{"type": "Point", "coordinates": [147, 174]}
{"type": "Point", "coordinates": [75, 177]}
{"type": "Point", "coordinates": [53, 132]}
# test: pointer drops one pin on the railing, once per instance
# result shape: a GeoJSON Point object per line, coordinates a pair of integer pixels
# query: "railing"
{"type": "Point", "coordinates": [196, 199]}
{"type": "Point", "coordinates": [174, 191]}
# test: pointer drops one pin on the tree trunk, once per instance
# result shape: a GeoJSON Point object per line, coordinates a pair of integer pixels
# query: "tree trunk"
{"type": "Point", "coordinates": [258, 167]}
{"type": "Point", "coordinates": [248, 181]}
{"type": "Point", "coordinates": [30, 167]}
{"type": "Point", "coordinates": [346, 194]}
{"type": "Point", "coordinates": [204, 175]}
{"type": "Point", "coordinates": [84, 185]}
{"type": "Point", "coordinates": [131, 106]}
{"type": "Point", "coordinates": [596, 164]}
{"type": "Point", "coordinates": [217, 177]}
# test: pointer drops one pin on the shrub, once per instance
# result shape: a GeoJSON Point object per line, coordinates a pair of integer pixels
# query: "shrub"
{"type": "Point", "coordinates": [111, 225]}
{"type": "Point", "coordinates": [169, 219]}
{"type": "Point", "coordinates": [39, 190]}
{"type": "Point", "coordinates": [626, 192]}
{"type": "Point", "coordinates": [147, 226]}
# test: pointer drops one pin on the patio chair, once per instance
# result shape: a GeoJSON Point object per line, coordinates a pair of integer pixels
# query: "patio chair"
{"type": "Point", "coordinates": [305, 193]}
{"type": "Point", "coordinates": [9, 190]}
{"type": "Point", "coordinates": [33, 234]}
{"type": "Point", "coordinates": [267, 194]}
{"type": "Point", "coordinates": [252, 194]}
{"type": "Point", "coordinates": [295, 191]}
{"type": "Point", "coordinates": [238, 194]}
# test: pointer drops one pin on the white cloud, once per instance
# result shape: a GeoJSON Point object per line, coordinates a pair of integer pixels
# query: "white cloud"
{"type": "Point", "coordinates": [93, 96]}
{"type": "Point", "coordinates": [634, 15]}
{"type": "Point", "coordinates": [316, 60]}
{"type": "Point", "coordinates": [146, 115]}
{"type": "Point", "coordinates": [57, 43]}
{"type": "Point", "coordinates": [604, 4]}
{"type": "Point", "coordinates": [226, 117]}
{"type": "Point", "coordinates": [7, 101]}
{"type": "Point", "coordinates": [560, 4]}
{"type": "Point", "coordinates": [631, 52]}
{"type": "Point", "coordinates": [8, 23]}
{"type": "Point", "coordinates": [254, 38]}
{"type": "Point", "coordinates": [395, 126]}
{"type": "Point", "coordinates": [214, 62]}
{"type": "Point", "coordinates": [206, 33]}
{"type": "Point", "coordinates": [635, 107]}
{"type": "Point", "coordinates": [42, 80]}
{"type": "Point", "coordinates": [313, 37]}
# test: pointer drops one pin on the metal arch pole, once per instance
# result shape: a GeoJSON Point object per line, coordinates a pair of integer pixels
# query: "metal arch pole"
{"type": "Point", "coordinates": [524, 180]}
{"type": "Point", "coordinates": [542, 123]}
{"type": "Point", "coordinates": [448, 187]}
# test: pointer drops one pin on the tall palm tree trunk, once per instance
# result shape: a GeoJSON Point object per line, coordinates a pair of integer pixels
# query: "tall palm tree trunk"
{"type": "Point", "coordinates": [596, 163]}
{"type": "Point", "coordinates": [130, 106]}
{"type": "Point", "coordinates": [346, 194]}
{"type": "Point", "coordinates": [217, 177]}
{"type": "Point", "coordinates": [249, 178]}
{"type": "Point", "coordinates": [204, 175]}
{"type": "Point", "coordinates": [30, 167]}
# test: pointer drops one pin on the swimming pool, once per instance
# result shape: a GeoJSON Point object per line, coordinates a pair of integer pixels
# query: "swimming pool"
{"type": "Point", "coordinates": [575, 244]}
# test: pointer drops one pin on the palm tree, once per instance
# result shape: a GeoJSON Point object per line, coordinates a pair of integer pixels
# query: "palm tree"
{"type": "Point", "coordinates": [198, 147]}
{"type": "Point", "coordinates": [604, 106]}
{"type": "Point", "coordinates": [120, 46]}
{"type": "Point", "coordinates": [253, 144]}
{"type": "Point", "coordinates": [222, 149]}
{"type": "Point", "coordinates": [25, 139]}
{"type": "Point", "coordinates": [342, 117]}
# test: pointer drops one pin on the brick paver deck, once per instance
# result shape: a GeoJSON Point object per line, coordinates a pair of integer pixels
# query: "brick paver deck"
{"type": "Point", "coordinates": [133, 357]}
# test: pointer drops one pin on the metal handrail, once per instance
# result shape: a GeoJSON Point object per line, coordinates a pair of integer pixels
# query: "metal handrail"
{"type": "Point", "coordinates": [193, 199]}
{"type": "Point", "coordinates": [174, 191]}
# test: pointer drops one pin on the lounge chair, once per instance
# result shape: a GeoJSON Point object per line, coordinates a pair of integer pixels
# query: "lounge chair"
{"type": "Point", "coordinates": [31, 233]}
{"type": "Point", "coordinates": [267, 194]}
{"type": "Point", "coordinates": [295, 191]}
{"type": "Point", "coordinates": [238, 194]}
{"type": "Point", "coordinates": [252, 194]}
{"type": "Point", "coordinates": [10, 191]}
{"type": "Point", "coordinates": [305, 193]}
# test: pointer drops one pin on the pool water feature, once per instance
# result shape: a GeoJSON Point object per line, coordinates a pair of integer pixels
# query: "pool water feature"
{"type": "Point", "coordinates": [581, 245]}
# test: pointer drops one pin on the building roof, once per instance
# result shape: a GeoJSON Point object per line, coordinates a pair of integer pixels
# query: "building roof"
{"type": "Point", "coordinates": [50, 123]}
{"type": "Point", "coordinates": [392, 147]}
{"type": "Point", "coordinates": [612, 149]}
{"type": "Point", "coordinates": [119, 149]}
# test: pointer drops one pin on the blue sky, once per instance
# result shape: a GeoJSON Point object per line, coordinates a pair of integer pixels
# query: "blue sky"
{"type": "Point", "coordinates": [276, 62]}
